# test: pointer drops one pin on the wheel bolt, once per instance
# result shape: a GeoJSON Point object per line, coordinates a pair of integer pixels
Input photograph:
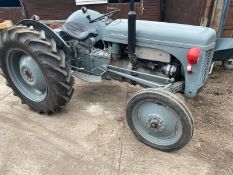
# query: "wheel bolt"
{"type": "Point", "coordinates": [154, 125]}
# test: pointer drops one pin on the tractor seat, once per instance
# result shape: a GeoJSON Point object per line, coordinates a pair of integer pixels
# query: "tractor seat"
{"type": "Point", "coordinates": [79, 31]}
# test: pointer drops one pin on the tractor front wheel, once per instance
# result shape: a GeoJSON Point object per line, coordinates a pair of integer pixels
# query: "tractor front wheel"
{"type": "Point", "coordinates": [159, 119]}
{"type": "Point", "coordinates": [35, 69]}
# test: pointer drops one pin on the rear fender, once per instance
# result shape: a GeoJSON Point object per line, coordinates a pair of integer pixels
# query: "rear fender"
{"type": "Point", "coordinates": [223, 50]}
{"type": "Point", "coordinates": [61, 44]}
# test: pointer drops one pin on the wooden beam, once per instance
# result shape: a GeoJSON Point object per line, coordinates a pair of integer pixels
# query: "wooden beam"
{"type": "Point", "coordinates": [217, 14]}
{"type": "Point", "coordinates": [205, 18]}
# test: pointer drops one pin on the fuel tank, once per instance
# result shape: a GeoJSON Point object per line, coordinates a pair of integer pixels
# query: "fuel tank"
{"type": "Point", "coordinates": [161, 33]}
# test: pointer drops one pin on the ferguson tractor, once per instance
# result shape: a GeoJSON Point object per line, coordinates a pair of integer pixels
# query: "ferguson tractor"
{"type": "Point", "coordinates": [40, 64]}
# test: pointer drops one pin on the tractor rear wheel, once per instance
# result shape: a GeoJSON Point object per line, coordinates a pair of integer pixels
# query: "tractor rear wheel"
{"type": "Point", "coordinates": [35, 69]}
{"type": "Point", "coordinates": [159, 119]}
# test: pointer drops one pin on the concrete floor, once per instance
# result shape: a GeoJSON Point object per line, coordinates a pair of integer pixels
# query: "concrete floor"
{"type": "Point", "coordinates": [90, 136]}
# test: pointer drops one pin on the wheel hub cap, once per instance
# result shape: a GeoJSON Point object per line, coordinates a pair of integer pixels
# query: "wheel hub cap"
{"type": "Point", "coordinates": [31, 73]}
{"type": "Point", "coordinates": [155, 123]}
{"type": "Point", "coordinates": [26, 74]}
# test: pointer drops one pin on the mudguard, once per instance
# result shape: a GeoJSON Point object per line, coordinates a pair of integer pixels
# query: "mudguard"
{"type": "Point", "coordinates": [61, 44]}
{"type": "Point", "coordinates": [223, 49]}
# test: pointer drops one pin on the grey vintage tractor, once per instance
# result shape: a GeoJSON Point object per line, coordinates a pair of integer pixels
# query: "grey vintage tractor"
{"type": "Point", "coordinates": [40, 64]}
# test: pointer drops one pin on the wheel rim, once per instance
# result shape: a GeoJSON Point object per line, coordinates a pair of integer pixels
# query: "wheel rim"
{"type": "Point", "coordinates": [26, 75]}
{"type": "Point", "coordinates": [230, 62]}
{"type": "Point", "coordinates": [157, 123]}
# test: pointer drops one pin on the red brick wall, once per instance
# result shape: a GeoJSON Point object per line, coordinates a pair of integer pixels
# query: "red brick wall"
{"type": "Point", "coordinates": [61, 9]}
{"type": "Point", "coordinates": [11, 13]}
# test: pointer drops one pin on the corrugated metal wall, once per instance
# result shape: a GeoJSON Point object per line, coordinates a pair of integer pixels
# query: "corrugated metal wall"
{"type": "Point", "coordinates": [61, 9]}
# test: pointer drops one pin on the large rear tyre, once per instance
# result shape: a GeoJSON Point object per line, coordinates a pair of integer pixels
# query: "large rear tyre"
{"type": "Point", "coordinates": [35, 69]}
{"type": "Point", "coordinates": [160, 120]}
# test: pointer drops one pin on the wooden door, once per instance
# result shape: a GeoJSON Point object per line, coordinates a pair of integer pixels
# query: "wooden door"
{"type": "Point", "coordinates": [184, 11]}
{"type": "Point", "coordinates": [228, 29]}
{"type": "Point", "coordinates": [145, 9]}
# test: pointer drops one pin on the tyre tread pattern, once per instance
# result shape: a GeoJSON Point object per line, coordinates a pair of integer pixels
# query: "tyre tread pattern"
{"type": "Point", "coordinates": [52, 62]}
{"type": "Point", "coordinates": [187, 121]}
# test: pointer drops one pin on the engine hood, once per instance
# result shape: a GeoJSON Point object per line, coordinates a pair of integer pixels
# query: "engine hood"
{"type": "Point", "coordinates": [160, 33]}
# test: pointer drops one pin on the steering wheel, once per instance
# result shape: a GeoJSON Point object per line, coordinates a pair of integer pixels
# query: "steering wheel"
{"type": "Point", "coordinates": [105, 15]}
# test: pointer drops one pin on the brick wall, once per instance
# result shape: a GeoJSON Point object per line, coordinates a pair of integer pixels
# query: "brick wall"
{"type": "Point", "coordinates": [11, 13]}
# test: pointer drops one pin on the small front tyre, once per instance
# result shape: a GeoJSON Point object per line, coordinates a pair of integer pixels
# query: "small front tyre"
{"type": "Point", "coordinates": [159, 119]}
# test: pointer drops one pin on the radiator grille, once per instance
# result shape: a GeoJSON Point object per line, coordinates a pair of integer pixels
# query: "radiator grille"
{"type": "Point", "coordinates": [205, 67]}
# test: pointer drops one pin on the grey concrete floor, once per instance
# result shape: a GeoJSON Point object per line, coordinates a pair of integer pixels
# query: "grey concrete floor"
{"type": "Point", "coordinates": [90, 136]}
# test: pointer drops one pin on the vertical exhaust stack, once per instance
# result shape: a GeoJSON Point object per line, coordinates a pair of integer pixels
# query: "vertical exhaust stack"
{"type": "Point", "coordinates": [132, 33]}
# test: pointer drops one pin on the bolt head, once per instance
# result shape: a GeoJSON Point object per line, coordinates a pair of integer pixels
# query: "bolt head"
{"type": "Point", "coordinates": [155, 123]}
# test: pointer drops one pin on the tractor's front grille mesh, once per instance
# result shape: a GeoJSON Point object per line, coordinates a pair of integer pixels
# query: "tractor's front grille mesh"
{"type": "Point", "coordinates": [205, 68]}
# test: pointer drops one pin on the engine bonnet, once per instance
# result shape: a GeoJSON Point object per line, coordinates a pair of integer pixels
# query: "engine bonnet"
{"type": "Point", "coordinates": [154, 33]}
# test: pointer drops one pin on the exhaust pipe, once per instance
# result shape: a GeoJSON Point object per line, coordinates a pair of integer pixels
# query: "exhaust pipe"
{"type": "Point", "coordinates": [132, 33]}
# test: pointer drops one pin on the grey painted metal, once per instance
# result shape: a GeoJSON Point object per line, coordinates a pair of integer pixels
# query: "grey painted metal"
{"type": "Point", "coordinates": [174, 39]}
{"type": "Point", "coordinates": [31, 72]}
{"type": "Point", "coordinates": [161, 82]}
{"type": "Point", "coordinates": [48, 32]}
{"type": "Point", "coordinates": [153, 54]}
{"type": "Point", "coordinates": [26, 75]}
{"type": "Point", "coordinates": [142, 73]}
{"type": "Point", "coordinates": [139, 80]}
{"type": "Point", "coordinates": [160, 33]}
{"type": "Point", "coordinates": [78, 17]}
{"type": "Point", "coordinates": [87, 77]}
{"type": "Point", "coordinates": [148, 32]}
{"type": "Point", "coordinates": [156, 123]}
{"type": "Point", "coordinates": [223, 50]}
{"type": "Point", "coordinates": [175, 87]}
